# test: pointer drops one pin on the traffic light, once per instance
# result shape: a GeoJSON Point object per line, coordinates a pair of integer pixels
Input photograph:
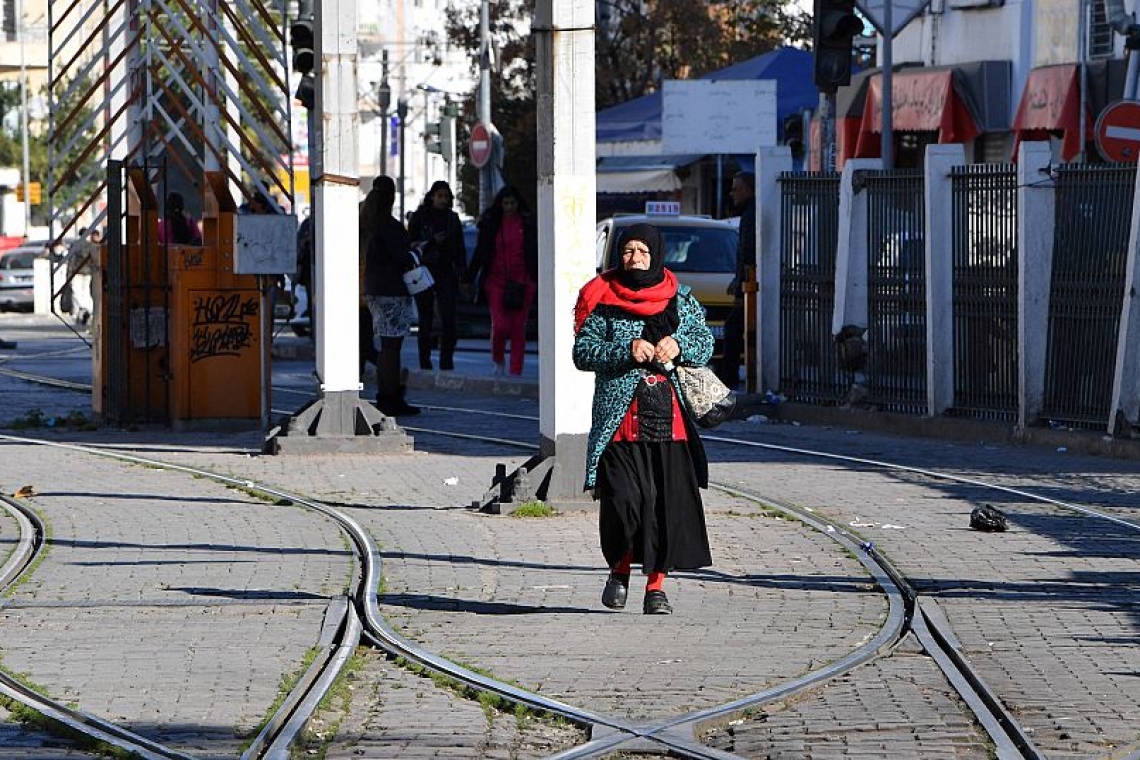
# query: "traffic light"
{"type": "Point", "coordinates": [304, 58]}
{"type": "Point", "coordinates": [301, 38]}
{"type": "Point", "coordinates": [307, 91]}
{"type": "Point", "coordinates": [433, 142]}
{"type": "Point", "coordinates": [447, 132]}
{"type": "Point", "coordinates": [34, 196]}
{"type": "Point", "coordinates": [794, 134]}
{"type": "Point", "coordinates": [439, 137]}
{"type": "Point", "coordinates": [833, 27]}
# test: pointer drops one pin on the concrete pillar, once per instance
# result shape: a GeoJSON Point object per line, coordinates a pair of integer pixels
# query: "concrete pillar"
{"type": "Point", "coordinates": [339, 421]}
{"type": "Point", "coordinates": [564, 51]}
{"type": "Point", "coordinates": [770, 163]}
{"type": "Point", "coordinates": [1125, 408]}
{"type": "Point", "coordinates": [1035, 220]}
{"type": "Point", "coordinates": [939, 232]}
{"type": "Point", "coordinates": [851, 253]}
{"type": "Point", "coordinates": [337, 199]}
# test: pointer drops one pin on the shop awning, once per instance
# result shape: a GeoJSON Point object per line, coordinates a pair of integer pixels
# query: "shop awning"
{"type": "Point", "coordinates": [641, 174]}
{"type": "Point", "coordinates": [1051, 102]}
{"type": "Point", "coordinates": [638, 181]}
{"type": "Point", "coordinates": [922, 100]}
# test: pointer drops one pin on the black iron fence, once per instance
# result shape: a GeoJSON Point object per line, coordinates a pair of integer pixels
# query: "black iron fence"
{"type": "Point", "coordinates": [1090, 243]}
{"type": "Point", "coordinates": [896, 290]}
{"type": "Point", "coordinates": [984, 252]}
{"type": "Point", "coordinates": [809, 219]}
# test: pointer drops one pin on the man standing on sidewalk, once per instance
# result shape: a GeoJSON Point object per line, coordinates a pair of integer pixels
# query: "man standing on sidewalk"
{"type": "Point", "coordinates": [743, 194]}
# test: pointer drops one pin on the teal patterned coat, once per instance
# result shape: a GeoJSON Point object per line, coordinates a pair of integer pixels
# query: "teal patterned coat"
{"type": "Point", "coordinates": [602, 346]}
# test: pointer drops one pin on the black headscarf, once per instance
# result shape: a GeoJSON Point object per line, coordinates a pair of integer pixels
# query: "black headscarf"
{"type": "Point", "coordinates": [657, 326]}
{"type": "Point", "coordinates": [636, 279]}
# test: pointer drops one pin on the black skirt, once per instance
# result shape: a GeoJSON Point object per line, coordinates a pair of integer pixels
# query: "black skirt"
{"type": "Point", "coordinates": [650, 505]}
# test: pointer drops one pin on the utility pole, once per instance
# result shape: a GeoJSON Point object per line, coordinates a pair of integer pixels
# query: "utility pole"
{"type": "Point", "coordinates": [564, 52]}
{"type": "Point", "coordinates": [338, 421]}
{"type": "Point", "coordinates": [489, 179]}
{"type": "Point", "coordinates": [402, 113]}
{"type": "Point", "coordinates": [21, 29]}
{"type": "Point", "coordinates": [384, 94]}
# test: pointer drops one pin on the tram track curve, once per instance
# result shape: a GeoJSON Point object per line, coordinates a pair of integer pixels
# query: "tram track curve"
{"type": "Point", "coordinates": [284, 726]}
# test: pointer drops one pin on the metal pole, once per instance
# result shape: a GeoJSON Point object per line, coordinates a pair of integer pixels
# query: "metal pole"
{"type": "Point", "coordinates": [827, 132]}
{"type": "Point", "coordinates": [385, 102]}
{"type": "Point", "coordinates": [265, 325]}
{"type": "Point", "coordinates": [1083, 25]}
{"type": "Point", "coordinates": [888, 137]}
{"type": "Point", "coordinates": [427, 153]}
{"type": "Point", "coordinates": [402, 112]}
{"type": "Point", "coordinates": [483, 108]}
{"type": "Point", "coordinates": [719, 185]}
{"type": "Point", "coordinates": [20, 31]}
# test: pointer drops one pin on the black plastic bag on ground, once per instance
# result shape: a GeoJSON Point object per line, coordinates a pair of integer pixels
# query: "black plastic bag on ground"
{"type": "Point", "coordinates": [987, 518]}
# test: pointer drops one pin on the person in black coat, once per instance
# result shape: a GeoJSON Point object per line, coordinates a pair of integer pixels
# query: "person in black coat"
{"type": "Point", "coordinates": [438, 233]}
{"type": "Point", "coordinates": [386, 259]}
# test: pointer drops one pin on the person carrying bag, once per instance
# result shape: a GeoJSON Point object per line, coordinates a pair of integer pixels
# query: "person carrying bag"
{"type": "Point", "coordinates": [418, 278]}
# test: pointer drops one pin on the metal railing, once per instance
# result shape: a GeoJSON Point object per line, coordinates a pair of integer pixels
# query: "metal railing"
{"type": "Point", "coordinates": [809, 218]}
{"type": "Point", "coordinates": [896, 290]}
{"type": "Point", "coordinates": [1090, 245]}
{"type": "Point", "coordinates": [985, 293]}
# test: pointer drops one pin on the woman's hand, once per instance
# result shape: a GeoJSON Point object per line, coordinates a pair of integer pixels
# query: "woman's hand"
{"type": "Point", "coordinates": [641, 351]}
{"type": "Point", "coordinates": [666, 350]}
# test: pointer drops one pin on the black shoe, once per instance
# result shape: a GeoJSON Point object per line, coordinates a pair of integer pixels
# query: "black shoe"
{"type": "Point", "coordinates": [656, 603]}
{"type": "Point", "coordinates": [426, 364]}
{"type": "Point", "coordinates": [616, 591]}
{"type": "Point", "coordinates": [7, 344]}
{"type": "Point", "coordinates": [446, 365]}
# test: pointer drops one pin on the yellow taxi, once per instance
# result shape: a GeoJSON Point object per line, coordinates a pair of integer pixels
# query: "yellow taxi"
{"type": "Point", "coordinates": [700, 250]}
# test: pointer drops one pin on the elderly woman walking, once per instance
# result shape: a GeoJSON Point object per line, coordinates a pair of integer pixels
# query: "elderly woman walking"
{"type": "Point", "coordinates": [645, 460]}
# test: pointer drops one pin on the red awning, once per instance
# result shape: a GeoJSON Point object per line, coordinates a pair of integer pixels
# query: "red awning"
{"type": "Point", "coordinates": [1050, 103]}
{"type": "Point", "coordinates": [922, 100]}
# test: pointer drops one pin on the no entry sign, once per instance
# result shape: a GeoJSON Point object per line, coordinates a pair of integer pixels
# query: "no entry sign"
{"type": "Point", "coordinates": [479, 149]}
{"type": "Point", "coordinates": [1118, 131]}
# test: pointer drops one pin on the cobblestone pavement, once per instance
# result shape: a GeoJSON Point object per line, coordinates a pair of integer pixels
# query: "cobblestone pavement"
{"type": "Point", "coordinates": [1047, 612]}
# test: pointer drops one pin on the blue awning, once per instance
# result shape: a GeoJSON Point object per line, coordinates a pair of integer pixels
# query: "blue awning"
{"type": "Point", "coordinates": [791, 68]}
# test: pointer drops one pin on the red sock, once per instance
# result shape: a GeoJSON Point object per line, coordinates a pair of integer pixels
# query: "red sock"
{"type": "Point", "coordinates": [656, 582]}
{"type": "Point", "coordinates": [623, 565]}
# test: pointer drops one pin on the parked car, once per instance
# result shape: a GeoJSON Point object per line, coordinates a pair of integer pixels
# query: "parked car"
{"type": "Point", "coordinates": [700, 250]}
{"type": "Point", "coordinates": [17, 278]}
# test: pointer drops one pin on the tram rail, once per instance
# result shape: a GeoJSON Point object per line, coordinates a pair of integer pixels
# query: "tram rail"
{"type": "Point", "coordinates": [908, 611]}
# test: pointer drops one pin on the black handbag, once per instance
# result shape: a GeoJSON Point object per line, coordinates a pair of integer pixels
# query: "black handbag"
{"type": "Point", "coordinates": [514, 295]}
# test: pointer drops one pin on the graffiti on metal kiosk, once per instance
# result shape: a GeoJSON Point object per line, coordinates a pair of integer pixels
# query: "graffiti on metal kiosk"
{"type": "Point", "coordinates": [223, 325]}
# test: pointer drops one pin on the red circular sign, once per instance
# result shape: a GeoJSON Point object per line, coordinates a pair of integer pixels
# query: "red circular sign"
{"type": "Point", "coordinates": [1118, 131]}
{"type": "Point", "coordinates": [479, 149]}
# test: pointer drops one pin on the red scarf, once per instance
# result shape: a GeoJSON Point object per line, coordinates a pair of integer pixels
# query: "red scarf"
{"type": "Point", "coordinates": [607, 289]}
